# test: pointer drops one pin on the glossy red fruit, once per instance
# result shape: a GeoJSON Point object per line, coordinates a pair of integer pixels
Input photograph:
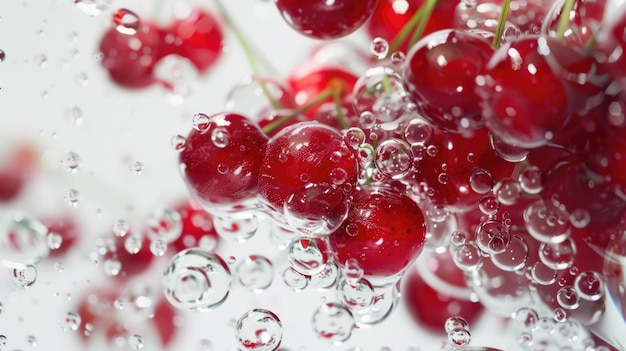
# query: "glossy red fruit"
{"type": "Point", "coordinates": [440, 72]}
{"type": "Point", "coordinates": [390, 16]}
{"type": "Point", "coordinates": [524, 99]}
{"type": "Point", "coordinates": [438, 291]}
{"type": "Point", "coordinates": [321, 19]}
{"type": "Point", "coordinates": [456, 171]}
{"type": "Point", "coordinates": [130, 58]}
{"type": "Point", "coordinates": [197, 37]}
{"type": "Point", "coordinates": [384, 232]}
{"type": "Point", "coordinates": [132, 264]}
{"type": "Point", "coordinates": [304, 157]}
{"type": "Point", "coordinates": [15, 171]}
{"type": "Point", "coordinates": [584, 20]}
{"type": "Point", "coordinates": [197, 226]}
{"type": "Point", "coordinates": [67, 228]}
{"type": "Point", "coordinates": [221, 159]}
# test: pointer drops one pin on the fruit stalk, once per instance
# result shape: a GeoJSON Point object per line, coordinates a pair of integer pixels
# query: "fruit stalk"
{"type": "Point", "coordinates": [325, 94]}
{"type": "Point", "coordinates": [564, 19]}
{"type": "Point", "coordinates": [501, 23]}
{"type": "Point", "coordinates": [429, 6]}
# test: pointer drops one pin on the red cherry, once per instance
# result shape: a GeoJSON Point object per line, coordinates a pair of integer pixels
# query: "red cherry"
{"type": "Point", "coordinates": [197, 223]}
{"type": "Point", "coordinates": [321, 19]}
{"type": "Point", "coordinates": [132, 264]}
{"type": "Point", "coordinates": [432, 296]}
{"type": "Point", "coordinates": [440, 73]}
{"type": "Point", "coordinates": [524, 99]}
{"type": "Point", "coordinates": [197, 37]}
{"type": "Point", "coordinates": [130, 58]}
{"type": "Point", "coordinates": [584, 20]}
{"type": "Point", "coordinates": [457, 171]}
{"type": "Point", "coordinates": [390, 16]}
{"type": "Point", "coordinates": [67, 228]}
{"type": "Point", "coordinates": [15, 171]}
{"type": "Point", "coordinates": [305, 157]}
{"type": "Point", "coordinates": [221, 159]}
{"type": "Point", "coordinates": [384, 232]}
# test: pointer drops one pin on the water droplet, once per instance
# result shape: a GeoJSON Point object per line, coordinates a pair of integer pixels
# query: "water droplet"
{"type": "Point", "coordinates": [354, 137]}
{"type": "Point", "coordinates": [327, 278]}
{"type": "Point", "coordinates": [558, 256]}
{"type": "Point", "coordinates": [589, 285]}
{"type": "Point", "coordinates": [121, 228]}
{"type": "Point", "coordinates": [3, 340]}
{"type": "Point", "coordinates": [136, 167]}
{"type": "Point", "coordinates": [179, 142]}
{"type": "Point", "coordinates": [514, 257]}
{"type": "Point", "coordinates": [295, 280]}
{"type": "Point", "coordinates": [165, 224]}
{"type": "Point", "coordinates": [74, 115]}
{"type": "Point", "coordinates": [530, 180]}
{"type": "Point", "coordinates": [379, 48]}
{"type": "Point", "coordinates": [394, 158]}
{"type": "Point", "coordinates": [508, 191]}
{"type": "Point", "coordinates": [481, 181]}
{"type": "Point", "coordinates": [55, 240]}
{"type": "Point", "coordinates": [417, 132]}
{"type": "Point", "coordinates": [255, 272]}
{"type": "Point", "coordinates": [506, 151]}
{"type": "Point", "coordinates": [158, 247]}
{"type": "Point", "coordinates": [72, 161]}
{"type": "Point", "coordinates": [201, 122]}
{"type": "Point", "coordinates": [352, 270]}
{"type": "Point", "coordinates": [133, 244]}
{"type": "Point", "coordinates": [459, 337]}
{"type": "Point", "coordinates": [220, 137]}
{"type": "Point", "coordinates": [467, 257]}
{"type": "Point", "coordinates": [71, 322]}
{"type": "Point", "coordinates": [356, 296]}
{"type": "Point", "coordinates": [457, 238]}
{"type": "Point", "coordinates": [316, 210]}
{"type": "Point", "coordinates": [526, 318]}
{"type": "Point", "coordinates": [136, 341]}
{"type": "Point", "coordinates": [367, 120]}
{"type": "Point", "coordinates": [543, 274]}
{"type": "Point", "coordinates": [307, 256]}
{"type": "Point", "coordinates": [31, 340]}
{"type": "Point", "coordinates": [72, 198]}
{"type": "Point", "coordinates": [126, 21]}
{"type": "Point", "coordinates": [568, 298]}
{"type": "Point", "coordinates": [112, 267]}
{"type": "Point", "coordinates": [196, 280]}
{"type": "Point", "coordinates": [493, 236]}
{"type": "Point", "coordinates": [398, 57]}
{"type": "Point", "coordinates": [23, 240]}
{"type": "Point", "coordinates": [489, 205]}
{"type": "Point", "coordinates": [333, 322]}
{"type": "Point", "coordinates": [24, 277]}
{"type": "Point", "coordinates": [546, 222]}
{"type": "Point", "coordinates": [580, 218]}
{"type": "Point", "coordinates": [237, 228]}
{"type": "Point", "coordinates": [259, 330]}
{"type": "Point", "coordinates": [560, 315]}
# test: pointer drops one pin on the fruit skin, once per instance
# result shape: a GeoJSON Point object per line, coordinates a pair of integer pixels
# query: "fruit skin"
{"type": "Point", "coordinates": [15, 172]}
{"type": "Point", "coordinates": [130, 59]}
{"type": "Point", "coordinates": [302, 154]}
{"type": "Point", "coordinates": [321, 19]}
{"type": "Point", "coordinates": [197, 37]}
{"type": "Point", "coordinates": [219, 174]}
{"type": "Point", "coordinates": [66, 226]}
{"type": "Point", "coordinates": [384, 231]}
{"type": "Point", "coordinates": [440, 73]}
{"type": "Point", "coordinates": [196, 224]}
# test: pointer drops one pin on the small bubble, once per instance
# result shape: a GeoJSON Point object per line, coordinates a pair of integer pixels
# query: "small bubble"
{"type": "Point", "coordinates": [31, 340]}
{"type": "Point", "coordinates": [41, 60]}
{"type": "Point", "coordinates": [82, 79]}
{"type": "Point", "coordinates": [55, 240]}
{"type": "Point", "coordinates": [394, 158]}
{"type": "Point", "coordinates": [259, 330]}
{"type": "Point", "coordinates": [3, 340]}
{"type": "Point", "coordinates": [398, 57]}
{"type": "Point", "coordinates": [560, 315]}
{"type": "Point", "coordinates": [72, 198]}
{"type": "Point", "coordinates": [158, 247]}
{"type": "Point", "coordinates": [589, 285]}
{"type": "Point", "coordinates": [136, 167]}
{"type": "Point", "coordinates": [120, 228]}
{"type": "Point", "coordinates": [72, 161]}
{"type": "Point", "coordinates": [179, 142]}
{"type": "Point", "coordinates": [367, 120]}
{"type": "Point", "coordinates": [59, 267]}
{"type": "Point", "coordinates": [467, 257]}
{"type": "Point", "coordinates": [481, 181]}
{"type": "Point", "coordinates": [455, 322]}
{"type": "Point", "coordinates": [379, 48]}
{"type": "Point", "coordinates": [112, 267]}
{"type": "Point", "coordinates": [417, 132]}
{"type": "Point", "coordinates": [489, 205]}
{"type": "Point", "coordinates": [126, 21]}
{"type": "Point", "coordinates": [220, 137]}
{"type": "Point", "coordinates": [71, 322]}
{"type": "Point", "coordinates": [201, 122]}
{"type": "Point", "coordinates": [136, 341]}
{"type": "Point", "coordinates": [74, 115]}
{"type": "Point", "coordinates": [255, 272]}
{"type": "Point", "coordinates": [459, 337]}
{"type": "Point", "coordinates": [530, 180]}
{"type": "Point", "coordinates": [165, 224]}
{"type": "Point", "coordinates": [457, 238]}
{"type": "Point", "coordinates": [295, 280]}
{"type": "Point", "coordinates": [133, 244]}
{"type": "Point", "coordinates": [568, 298]}
{"type": "Point", "coordinates": [333, 322]}
{"type": "Point", "coordinates": [24, 277]}
{"type": "Point", "coordinates": [3, 56]}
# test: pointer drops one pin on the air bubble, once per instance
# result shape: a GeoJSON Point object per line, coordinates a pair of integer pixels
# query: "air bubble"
{"type": "Point", "coordinates": [196, 280]}
{"type": "Point", "coordinates": [493, 236]}
{"type": "Point", "coordinates": [133, 244]}
{"type": "Point", "coordinates": [112, 267]}
{"type": "Point", "coordinates": [457, 238]}
{"type": "Point", "coordinates": [506, 151]}
{"type": "Point", "coordinates": [126, 21]}
{"type": "Point", "coordinates": [333, 322]}
{"type": "Point", "coordinates": [165, 224]}
{"type": "Point", "coordinates": [489, 205]}
{"type": "Point", "coordinates": [379, 47]}
{"type": "Point", "coordinates": [316, 210]}
{"type": "Point", "coordinates": [526, 318]}
{"type": "Point", "coordinates": [326, 278]}
{"type": "Point", "coordinates": [220, 137]}
{"type": "Point", "coordinates": [467, 257]}
{"type": "Point", "coordinates": [23, 240]}
{"type": "Point", "coordinates": [367, 120]}
{"type": "Point", "coordinates": [120, 228]}
{"type": "Point", "coordinates": [259, 330]}
{"type": "Point", "coordinates": [589, 285]}
{"type": "Point", "coordinates": [307, 256]}
{"type": "Point", "coordinates": [459, 337]}
{"type": "Point", "coordinates": [455, 322]}
{"type": "Point", "coordinates": [398, 57]}
{"type": "Point", "coordinates": [560, 315]}
{"type": "Point", "coordinates": [239, 229]}
{"type": "Point", "coordinates": [481, 181]}
{"type": "Point", "coordinates": [356, 296]}
{"type": "Point", "coordinates": [295, 280]}
{"type": "Point", "coordinates": [508, 191]}
{"type": "Point", "coordinates": [255, 272]}
{"type": "Point", "coordinates": [158, 247]}
{"type": "Point", "coordinates": [136, 167]}
{"type": "Point", "coordinates": [179, 142]}
{"type": "Point", "coordinates": [72, 198]}
{"type": "Point", "coordinates": [417, 132]}
{"type": "Point", "coordinates": [72, 161]}
{"type": "Point", "coordinates": [558, 256]}
{"type": "Point", "coordinates": [568, 298]}
{"type": "Point", "coordinates": [543, 274]}
{"type": "Point", "coordinates": [352, 270]}
{"type": "Point", "coordinates": [530, 180]}
{"type": "Point", "coordinates": [354, 137]}
{"type": "Point", "coordinates": [514, 257]}
{"type": "Point", "coordinates": [136, 341]}
{"type": "Point", "coordinates": [394, 158]}
{"type": "Point", "coordinates": [201, 122]}
{"type": "Point", "coordinates": [546, 222]}
{"type": "Point", "coordinates": [71, 322]}
{"type": "Point", "coordinates": [55, 240]}
{"type": "Point", "coordinates": [24, 277]}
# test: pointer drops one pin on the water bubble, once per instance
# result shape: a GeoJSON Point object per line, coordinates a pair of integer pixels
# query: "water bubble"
{"type": "Point", "coordinates": [31, 340]}
{"type": "Point", "coordinates": [72, 198]}
{"type": "Point", "coordinates": [506, 151]}
{"type": "Point", "coordinates": [459, 337]}
{"type": "Point", "coordinates": [530, 180]}
{"type": "Point", "coordinates": [481, 181]}
{"type": "Point", "coordinates": [489, 205]}
{"type": "Point", "coordinates": [398, 57]}
{"type": "Point", "coordinates": [356, 296]}
{"type": "Point", "coordinates": [558, 256]}
{"type": "Point", "coordinates": [417, 132]}
{"type": "Point", "coordinates": [165, 224]}
{"type": "Point", "coordinates": [543, 274]}
{"type": "Point", "coordinates": [326, 278]}
{"type": "Point", "coordinates": [467, 257]}
{"type": "Point", "coordinates": [457, 238]}
{"type": "Point", "coordinates": [92, 7]}
{"type": "Point", "coordinates": [367, 120]}
{"type": "Point", "coordinates": [589, 285]}
{"type": "Point", "coordinates": [24, 277]}
{"type": "Point", "coordinates": [514, 257]}
{"type": "Point", "coordinates": [455, 322]}
{"type": "Point", "coordinates": [316, 210]}
{"type": "Point", "coordinates": [259, 330]}
{"type": "Point", "coordinates": [55, 240]}
{"type": "Point", "coordinates": [72, 161]}
{"type": "Point", "coordinates": [568, 298]}
{"type": "Point", "coordinates": [307, 256]}
{"type": "Point", "coordinates": [75, 115]}
{"type": "Point", "coordinates": [136, 167]}
{"type": "Point", "coordinates": [179, 142]}
{"type": "Point", "coordinates": [546, 222]}
{"type": "Point", "coordinates": [3, 55]}
{"type": "Point", "coordinates": [255, 272]}
{"type": "Point", "coordinates": [380, 91]}
{"type": "Point", "coordinates": [112, 267]}
{"type": "Point", "coordinates": [126, 21]}
{"type": "Point", "coordinates": [352, 270]}
{"type": "Point", "coordinates": [133, 244]}
{"type": "Point", "coordinates": [237, 228]}
{"type": "Point", "coordinates": [525, 339]}
{"type": "Point", "coordinates": [158, 247]}
{"type": "Point", "coordinates": [354, 137]}
{"type": "Point", "coordinates": [23, 240]}
{"type": "Point", "coordinates": [295, 280]}
{"type": "Point", "coordinates": [71, 322]}
{"type": "Point", "coordinates": [394, 158]}
{"type": "Point", "coordinates": [526, 318]}
{"type": "Point", "coordinates": [436, 213]}
{"type": "Point", "coordinates": [201, 122]}
{"type": "Point", "coordinates": [560, 315]}
{"type": "Point", "coordinates": [508, 191]}
{"type": "Point", "coordinates": [196, 280]}
{"type": "Point", "coordinates": [493, 236]}
{"type": "Point", "coordinates": [220, 137]}
{"type": "Point", "coordinates": [41, 60]}
{"type": "Point", "coordinates": [136, 341]}
{"type": "Point", "coordinates": [3, 340]}
{"type": "Point", "coordinates": [379, 48]}
{"type": "Point", "coordinates": [118, 304]}
{"type": "Point", "coordinates": [333, 322]}
{"type": "Point", "coordinates": [120, 228]}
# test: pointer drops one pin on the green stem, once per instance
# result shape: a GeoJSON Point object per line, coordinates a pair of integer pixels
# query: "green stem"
{"type": "Point", "coordinates": [501, 23]}
{"type": "Point", "coordinates": [386, 83]}
{"type": "Point", "coordinates": [429, 6]}
{"type": "Point", "coordinates": [324, 95]}
{"type": "Point", "coordinates": [406, 30]}
{"type": "Point", "coordinates": [590, 44]}
{"type": "Point", "coordinates": [564, 19]}
{"type": "Point", "coordinates": [339, 107]}
{"type": "Point", "coordinates": [247, 52]}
